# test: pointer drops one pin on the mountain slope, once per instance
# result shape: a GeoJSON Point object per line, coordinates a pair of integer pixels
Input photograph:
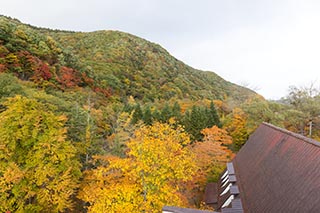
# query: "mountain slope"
{"type": "Point", "coordinates": [112, 63]}
{"type": "Point", "coordinates": [133, 66]}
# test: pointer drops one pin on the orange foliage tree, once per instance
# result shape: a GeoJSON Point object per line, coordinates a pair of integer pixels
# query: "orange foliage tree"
{"type": "Point", "coordinates": [212, 154]}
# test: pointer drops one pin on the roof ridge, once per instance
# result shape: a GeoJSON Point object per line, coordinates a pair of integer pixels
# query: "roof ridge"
{"type": "Point", "coordinates": [296, 135]}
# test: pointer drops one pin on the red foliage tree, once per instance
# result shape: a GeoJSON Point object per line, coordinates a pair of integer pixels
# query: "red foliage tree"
{"type": "Point", "coordinates": [68, 77]}
{"type": "Point", "coordinates": [33, 68]}
{"type": "Point", "coordinates": [3, 68]}
{"type": "Point", "coordinates": [105, 92]}
{"type": "Point", "coordinates": [41, 72]}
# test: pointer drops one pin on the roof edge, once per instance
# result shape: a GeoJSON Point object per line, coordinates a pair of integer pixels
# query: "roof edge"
{"type": "Point", "coordinates": [173, 209]}
{"type": "Point", "coordinates": [296, 135]}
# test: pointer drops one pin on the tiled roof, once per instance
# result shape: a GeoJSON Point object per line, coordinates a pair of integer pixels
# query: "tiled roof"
{"type": "Point", "coordinates": [210, 194]}
{"type": "Point", "coordinates": [278, 171]}
{"type": "Point", "coordinates": [172, 209]}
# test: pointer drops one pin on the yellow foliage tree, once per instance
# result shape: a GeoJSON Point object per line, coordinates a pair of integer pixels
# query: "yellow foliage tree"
{"type": "Point", "coordinates": [147, 179]}
{"type": "Point", "coordinates": [39, 170]}
{"type": "Point", "coordinates": [235, 125]}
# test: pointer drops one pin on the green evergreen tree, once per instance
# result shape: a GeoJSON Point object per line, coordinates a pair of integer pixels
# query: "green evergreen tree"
{"type": "Point", "coordinates": [156, 115]}
{"type": "Point", "coordinates": [213, 117]}
{"type": "Point", "coordinates": [165, 114]}
{"type": "Point", "coordinates": [194, 121]}
{"type": "Point", "coordinates": [176, 111]}
{"type": "Point", "coordinates": [147, 116]}
{"type": "Point", "coordinates": [137, 114]}
{"type": "Point", "coordinates": [199, 118]}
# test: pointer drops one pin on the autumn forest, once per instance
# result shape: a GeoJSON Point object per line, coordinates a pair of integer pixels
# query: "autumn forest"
{"type": "Point", "coordinates": [109, 122]}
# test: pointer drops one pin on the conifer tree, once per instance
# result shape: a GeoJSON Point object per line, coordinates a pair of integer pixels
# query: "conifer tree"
{"type": "Point", "coordinates": [156, 115]}
{"type": "Point", "coordinates": [137, 114]}
{"type": "Point", "coordinates": [176, 111]}
{"type": "Point", "coordinates": [147, 116]}
{"type": "Point", "coordinates": [194, 121]}
{"type": "Point", "coordinates": [199, 118]}
{"type": "Point", "coordinates": [213, 117]}
{"type": "Point", "coordinates": [165, 114]}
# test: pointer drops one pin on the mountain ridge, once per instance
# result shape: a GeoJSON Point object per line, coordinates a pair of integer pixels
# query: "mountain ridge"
{"type": "Point", "coordinates": [119, 64]}
{"type": "Point", "coordinates": [146, 58]}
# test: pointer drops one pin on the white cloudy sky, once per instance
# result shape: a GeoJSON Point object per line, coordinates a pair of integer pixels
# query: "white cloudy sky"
{"type": "Point", "coordinates": [266, 44]}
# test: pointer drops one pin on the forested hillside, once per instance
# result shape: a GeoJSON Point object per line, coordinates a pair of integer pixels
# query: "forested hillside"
{"type": "Point", "coordinates": [129, 65]}
{"type": "Point", "coordinates": [109, 122]}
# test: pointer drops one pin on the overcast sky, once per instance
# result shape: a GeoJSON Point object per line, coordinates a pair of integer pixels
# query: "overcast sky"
{"type": "Point", "coordinates": [265, 44]}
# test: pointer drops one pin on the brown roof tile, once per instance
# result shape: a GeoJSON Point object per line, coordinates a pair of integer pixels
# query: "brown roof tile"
{"type": "Point", "coordinates": [211, 194]}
